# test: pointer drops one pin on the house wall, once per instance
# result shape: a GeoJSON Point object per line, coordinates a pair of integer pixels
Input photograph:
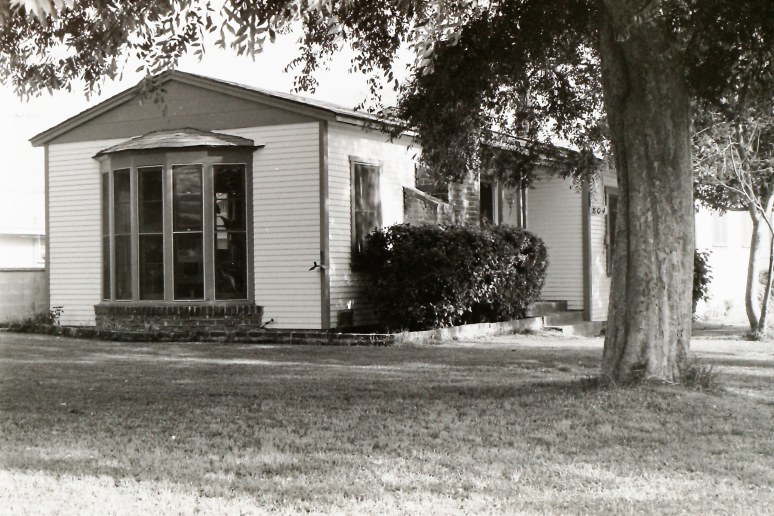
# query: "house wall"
{"type": "Point", "coordinates": [397, 160]}
{"type": "Point", "coordinates": [183, 105]}
{"type": "Point", "coordinates": [554, 214]}
{"type": "Point", "coordinates": [286, 218]}
{"type": "Point", "coordinates": [600, 280]}
{"type": "Point", "coordinates": [75, 251]}
{"type": "Point", "coordinates": [508, 207]}
{"type": "Point", "coordinates": [286, 223]}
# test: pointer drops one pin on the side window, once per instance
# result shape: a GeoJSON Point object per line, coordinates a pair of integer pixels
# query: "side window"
{"type": "Point", "coordinates": [106, 265]}
{"type": "Point", "coordinates": [366, 202]}
{"type": "Point", "coordinates": [486, 202]}
{"type": "Point", "coordinates": [611, 198]}
{"type": "Point", "coordinates": [230, 232]}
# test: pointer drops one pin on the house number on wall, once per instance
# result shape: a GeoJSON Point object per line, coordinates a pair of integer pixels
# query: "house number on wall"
{"type": "Point", "coordinates": [598, 209]}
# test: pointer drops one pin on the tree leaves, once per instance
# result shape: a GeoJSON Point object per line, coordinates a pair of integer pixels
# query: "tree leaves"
{"type": "Point", "coordinates": [526, 68]}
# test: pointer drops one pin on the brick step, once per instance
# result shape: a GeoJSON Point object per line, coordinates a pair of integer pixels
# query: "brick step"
{"type": "Point", "coordinates": [563, 318]}
{"type": "Point", "coordinates": [579, 329]}
{"type": "Point", "coordinates": [541, 308]}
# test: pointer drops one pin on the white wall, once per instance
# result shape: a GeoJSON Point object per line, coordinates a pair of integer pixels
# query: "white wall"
{"type": "Point", "coordinates": [397, 160]}
{"type": "Point", "coordinates": [286, 223]}
{"type": "Point", "coordinates": [75, 254]}
{"type": "Point", "coordinates": [727, 237]}
{"type": "Point", "coordinates": [554, 214]}
{"type": "Point", "coordinates": [600, 281]}
{"type": "Point", "coordinates": [286, 218]}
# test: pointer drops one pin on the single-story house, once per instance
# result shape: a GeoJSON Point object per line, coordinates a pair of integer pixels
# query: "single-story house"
{"type": "Point", "coordinates": [230, 201]}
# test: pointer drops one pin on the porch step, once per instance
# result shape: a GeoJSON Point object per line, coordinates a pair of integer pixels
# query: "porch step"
{"type": "Point", "coordinates": [541, 308]}
{"type": "Point", "coordinates": [563, 318]}
{"type": "Point", "coordinates": [579, 329]}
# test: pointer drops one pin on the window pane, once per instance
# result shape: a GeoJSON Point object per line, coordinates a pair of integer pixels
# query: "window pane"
{"type": "Point", "coordinates": [105, 205]}
{"type": "Point", "coordinates": [367, 202]}
{"type": "Point", "coordinates": [150, 184]}
{"type": "Point", "coordinates": [122, 202]}
{"type": "Point", "coordinates": [151, 267]}
{"type": "Point", "coordinates": [486, 203]}
{"type": "Point", "coordinates": [230, 238]}
{"type": "Point", "coordinates": [106, 267]}
{"type": "Point", "coordinates": [123, 272]}
{"type": "Point", "coordinates": [150, 203]}
{"type": "Point", "coordinates": [121, 179]}
{"type": "Point", "coordinates": [189, 277]}
{"type": "Point", "coordinates": [229, 197]}
{"type": "Point", "coordinates": [230, 265]}
{"type": "Point", "coordinates": [187, 204]}
{"type": "Point", "coordinates": [105, 236]}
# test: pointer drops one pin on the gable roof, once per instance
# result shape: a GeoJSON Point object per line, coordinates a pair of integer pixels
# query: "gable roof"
{"type": "Point", "coordinates": [295, 103]}
{"type": "Point", "coordinates": [178, 138]}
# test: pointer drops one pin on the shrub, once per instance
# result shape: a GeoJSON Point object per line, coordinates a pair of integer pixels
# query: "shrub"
{"type": "Point", "coordinates": [430, 276]}
{"type": "Point", "coordinates": [700, 376]}
{"type": "Point", "coordinates": [702, 276]}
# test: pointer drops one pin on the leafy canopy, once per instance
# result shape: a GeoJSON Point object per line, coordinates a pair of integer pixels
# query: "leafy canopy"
{"type": "Point", "coordinates": [734, 160]}
{"type": "Point", "coordinates": [525, 67]}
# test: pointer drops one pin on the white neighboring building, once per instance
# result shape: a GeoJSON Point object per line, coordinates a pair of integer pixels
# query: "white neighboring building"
{"type": "Point", "coordinates": [727, 237]}
{"type": "Point", "coordinates": [22, 230]}
{"type": "Point", "coordinates": [23, 291]}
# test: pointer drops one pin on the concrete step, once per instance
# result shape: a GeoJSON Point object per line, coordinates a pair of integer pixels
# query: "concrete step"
{"type": "Point", "coordinates": [563, 318]}
{"type": "Point", "coordinates": [579, 329]}
{"type": "Point", "coordinates": [541, 308]}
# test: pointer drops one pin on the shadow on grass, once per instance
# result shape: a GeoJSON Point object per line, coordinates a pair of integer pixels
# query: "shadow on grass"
{"type": "Point", "coordinates": [306, 422]}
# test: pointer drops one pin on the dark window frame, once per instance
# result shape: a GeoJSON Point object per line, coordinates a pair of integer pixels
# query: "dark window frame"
{"type": "Point", "coordinates": [355, 164]}
{"type": "Point", "coordinates": [492, 185]}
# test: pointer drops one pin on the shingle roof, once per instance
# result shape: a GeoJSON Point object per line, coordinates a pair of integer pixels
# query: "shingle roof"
{"type": "Point", "coordinates": [178, 138]}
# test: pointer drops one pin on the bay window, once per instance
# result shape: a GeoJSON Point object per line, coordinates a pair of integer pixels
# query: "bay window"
{"type": "Point", "coordinates": [175, 225]}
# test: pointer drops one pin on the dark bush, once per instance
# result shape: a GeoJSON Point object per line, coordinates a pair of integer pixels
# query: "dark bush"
{"type": "Point", "coordinates": [431, 276]}
{"type": "Point", "coordinates": [702, 276]}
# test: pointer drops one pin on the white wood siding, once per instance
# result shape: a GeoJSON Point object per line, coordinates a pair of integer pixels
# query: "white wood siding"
{"type": "Point", "coordinates": [600, 281]}
{"type": "Point", "coordinates": [286, 223]}
{"type": "Point", "coordinates": [74, 214]}
{"type": "Point", "coordinates": [397, 160]}
{"type": "Point", "coordinates": [554, 214]}
{"type": "Point", "coordinates": [286, 220]}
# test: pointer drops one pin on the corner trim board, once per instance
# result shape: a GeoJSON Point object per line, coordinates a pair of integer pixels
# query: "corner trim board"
{"type": "Point", "coordinates": [47, 264]}
{"type": "Point", "coordinates": [586, 230]}
{"type": "Point", "coordinates": [325, 244]}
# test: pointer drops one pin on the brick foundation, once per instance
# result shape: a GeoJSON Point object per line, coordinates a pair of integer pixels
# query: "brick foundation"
{"type": "Point", "coordinates": [186, 319]}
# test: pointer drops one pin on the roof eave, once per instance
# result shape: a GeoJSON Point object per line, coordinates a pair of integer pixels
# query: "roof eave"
{"type": "Point", "coordinates": [208, 83]}
{"type": "Point", "coordinates": [101, 155]}
{"type": "Point", "coordinates": [84, 116]}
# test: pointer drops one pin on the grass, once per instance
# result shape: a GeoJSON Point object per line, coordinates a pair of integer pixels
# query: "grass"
{"type": "Point", "coordinates": [100, 427]}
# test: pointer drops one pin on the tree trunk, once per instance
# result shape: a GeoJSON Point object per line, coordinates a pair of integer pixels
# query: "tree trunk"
{"type": "Point", "coordinates": [647, 105]}
{"type": "Point", "coordinates": [753, 289]}
{"type": "Point", "coordinates": [763, 325]}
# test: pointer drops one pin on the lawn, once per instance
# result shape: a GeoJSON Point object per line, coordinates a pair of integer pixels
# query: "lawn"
{"type": "Point", "coordinates": [514, 425]}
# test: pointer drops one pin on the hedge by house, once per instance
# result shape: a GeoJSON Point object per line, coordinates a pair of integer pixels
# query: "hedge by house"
{"type": "Point", "coordinates": [431, 276]}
